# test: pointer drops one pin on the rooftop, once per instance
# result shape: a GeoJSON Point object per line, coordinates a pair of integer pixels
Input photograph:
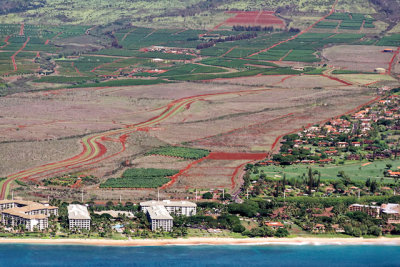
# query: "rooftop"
{"type": "Point", "coordinates": [25, 207]}
{"type": "Point", "coordinates": [20, 212]}
{"type": "Point", "coordinates": [391, 208]}
{"type": "Point", "coordinates": [168, 203]}
{"type": "Point", "coordinates": [78, 212]}
{"type": "Point", "coordinates": [159, 212]}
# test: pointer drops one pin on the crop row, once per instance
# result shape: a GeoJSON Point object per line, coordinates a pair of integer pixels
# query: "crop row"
{"type": "Point", "coordinates": [181, 152]}
{"type": "Point", "coordinates": [140, 178]}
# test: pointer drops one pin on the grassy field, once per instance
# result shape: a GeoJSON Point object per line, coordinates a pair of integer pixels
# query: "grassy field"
{"type": "Point", "coordinates": [355, 170]}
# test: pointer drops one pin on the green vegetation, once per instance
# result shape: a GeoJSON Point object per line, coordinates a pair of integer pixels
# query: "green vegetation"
{"type": "Point", "coordinates": [327, 24]}
{"type": "Point", "coordinates": [63, 79]}
{"type": "Point", "coordinates": [354, 170]}
{"type": "Point", "coordinates": [181, 152]}
{"type": "Point", "coordinates": [351, 21]}
{"type": "Point", "coordinates": [140, 178]}
{"type": "Point", "coordinates": [123, 82]}
{"type": "Point", "coordinates": [191, 69]}
{"type": "Point", "coordinates": [390, 40]}
{"type": "Point", "coordinates": [71, 180]}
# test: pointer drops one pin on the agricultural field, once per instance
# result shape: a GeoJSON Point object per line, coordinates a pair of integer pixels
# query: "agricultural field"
{"type": "Point", "coordinates": [180, 152]}
{"type": "Point", "coordinates": [140, 178]}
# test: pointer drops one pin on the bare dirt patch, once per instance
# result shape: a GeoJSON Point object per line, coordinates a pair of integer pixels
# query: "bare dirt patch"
{"type": "Point", "coordinates": [359, 57]}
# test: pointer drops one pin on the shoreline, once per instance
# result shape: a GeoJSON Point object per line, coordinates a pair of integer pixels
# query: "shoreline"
{"type": "Point", "coordinates": [196, 241]}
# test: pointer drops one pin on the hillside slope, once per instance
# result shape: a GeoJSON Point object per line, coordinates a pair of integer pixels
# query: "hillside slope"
{"type": "Point", "coordinates": [188, 13]}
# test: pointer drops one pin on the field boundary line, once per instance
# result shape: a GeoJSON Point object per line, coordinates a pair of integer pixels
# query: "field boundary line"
{"type": "Point", "coordinates": [16, 53]}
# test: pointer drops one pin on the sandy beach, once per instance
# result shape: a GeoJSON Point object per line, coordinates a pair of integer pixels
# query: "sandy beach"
{"type": "Point", "coordinates": [208, 241]}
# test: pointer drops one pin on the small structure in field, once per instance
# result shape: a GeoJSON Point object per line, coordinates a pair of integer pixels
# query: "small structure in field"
{"type": "Point", "coordinates": [380, 70]}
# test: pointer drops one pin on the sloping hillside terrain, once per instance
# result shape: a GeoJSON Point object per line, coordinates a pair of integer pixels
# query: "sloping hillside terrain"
{"type": "Point", "coordinates": [185, 93]}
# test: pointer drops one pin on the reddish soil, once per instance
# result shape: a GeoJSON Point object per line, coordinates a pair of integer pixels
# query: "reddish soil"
{"type": "Point", "coordinates": [16, 53]}
{"type": "Point", "coordinates": [262, 18]}
{"type": "Point", "coordinates": [392, 61]}
{"type": "Point", "coordinates": [6, 41]}
{"type": "Point", "coordinates": [21, 31]}
{"type": "Point", "coordinates": [336, 79]}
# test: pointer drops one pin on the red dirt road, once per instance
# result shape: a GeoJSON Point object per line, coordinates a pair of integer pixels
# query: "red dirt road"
{"type": "Point", "coordinates": [21, 31]}
{"type": "Point", "coordinates": [16, 53]}
{"type": "Point", "coordinates": [6, 41]}
{"type": "Point", "coordinates": [392, 61]}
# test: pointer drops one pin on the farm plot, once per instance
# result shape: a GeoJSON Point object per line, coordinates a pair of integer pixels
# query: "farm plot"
{"type": "Point", "coordinates": [263, 18]}
{"type": "Point", "coordinates": [180, 152]}
{"type": "Point", "coordinates": [327, 24]}
{"type": "Point", "coordinates": [237, 63]}
{"type": "Point", "coordinates": [390, 40]}
{"type": "Point", "coordinates": [140, 178]}
{"type": "Point", "coordinates": [351, 21]}
{"type": "Point", "coordinates": [191, 69]}
{"type": "Point", "coordinates": [136, 38]}
{"type": "Point", "coordinates": [305, 46]}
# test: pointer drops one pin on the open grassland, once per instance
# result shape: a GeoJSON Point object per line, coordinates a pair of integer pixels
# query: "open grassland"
{"type": "Point", "coordinates": [358, 57]}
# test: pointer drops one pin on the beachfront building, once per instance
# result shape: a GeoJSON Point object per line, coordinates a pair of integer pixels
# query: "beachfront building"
{"type": "Point", "coordinates": [31, 215]}
{"type": "Point", "coordinates": [392, 212]}
{"type": "Point", "coordinates": [185, 208]}
{"type": "Point", "coordinates": [78, 217]}
{"type": "Point", "coordinates": [158, 212]}
{"type": "Point", "coordinates": [373, 211]}
{"type": "Point", "coordinates": [159, 218]}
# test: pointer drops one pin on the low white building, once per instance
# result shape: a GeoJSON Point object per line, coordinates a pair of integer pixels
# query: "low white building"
{"type": "Point", "coordinates": [159, 218]}
{"type": "Point", "coordinates": [78, 217]}
{"type": "Point", "coordinates": [185, 208]}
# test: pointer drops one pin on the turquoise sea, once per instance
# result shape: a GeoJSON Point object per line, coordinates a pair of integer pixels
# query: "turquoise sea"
{"type": "Point", "coordinates": [262, 255]}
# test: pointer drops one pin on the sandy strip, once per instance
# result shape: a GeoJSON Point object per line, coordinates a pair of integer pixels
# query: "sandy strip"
{"type": "Point", "coordinates": [208, 241]}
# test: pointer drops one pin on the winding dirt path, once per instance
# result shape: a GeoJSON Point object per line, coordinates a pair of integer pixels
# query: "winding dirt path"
{"type": "Point", "coordinates": [16, 53]}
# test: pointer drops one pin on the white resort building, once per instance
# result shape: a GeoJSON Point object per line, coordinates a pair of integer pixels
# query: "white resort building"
{"type": "Point", "coordinates": [185, 208]}
{"type": "Point", "coordinates": [32, 215]}
{"type": "Point", "coordinates": [159, 218]}
{"type": "Point", "coordinates": [78, 217]}
{"type": "Point", "coordinates": [158, 212]}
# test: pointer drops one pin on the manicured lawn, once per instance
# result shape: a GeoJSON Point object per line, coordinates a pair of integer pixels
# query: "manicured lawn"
{"type": "Point", "coordinates": [355, 170]}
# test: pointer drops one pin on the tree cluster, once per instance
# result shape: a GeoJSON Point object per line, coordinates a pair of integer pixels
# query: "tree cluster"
{"type": "Point", "coordinates": [226, 39]}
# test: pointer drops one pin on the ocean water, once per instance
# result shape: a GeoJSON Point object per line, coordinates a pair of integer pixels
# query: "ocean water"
{"type": "Point", "coordinates": [235, 255]}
